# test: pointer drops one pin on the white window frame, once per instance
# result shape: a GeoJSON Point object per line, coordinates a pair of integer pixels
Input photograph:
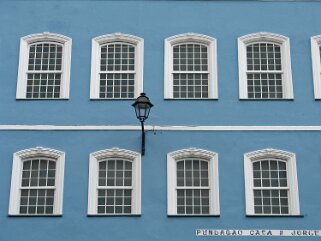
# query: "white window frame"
{"type": "Point", "coordinates": [209, 156]}
{"type": "Point", "coordinates": [210, 42]}
{"type": "Point", "coordinates": [284, 43]}
{"type": "Point", "coordinates": [17, 166]}
{"type": "Point", "coordinates": [94, 159]}
{"type": "Point", "coordinates": [24, 58]}
{"type": "Point", "coordinates": [293, 195]}
{"type": "Point", "coordinates": [316, 65]}
{"type": "Point", "coordinates": [95, 61]}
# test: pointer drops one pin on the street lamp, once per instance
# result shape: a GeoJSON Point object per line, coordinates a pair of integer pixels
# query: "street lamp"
{"type": "Point", "coordinates": [142, 107]}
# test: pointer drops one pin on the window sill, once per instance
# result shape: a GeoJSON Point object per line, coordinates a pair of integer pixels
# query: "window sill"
{"type": "Point", "coordinates": [35, 215]}
{"type": "Point", "coordinates": [192, 99]}
{"type": "Point", "coordinates": [274, 216]}
{"type": "Point", "coordinates": [182, 216]}
{"type": "Point", "coordinates": [113, 215]}
{"type": "Point", "coordinates": [112, 99]}
{"type": "Point", "coordinates": [41, 99]}
{"type": "Point", "coordinates": [266, 99]}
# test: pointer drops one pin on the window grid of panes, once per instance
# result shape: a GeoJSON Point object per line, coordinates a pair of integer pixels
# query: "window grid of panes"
{"type": "Point", "coordinates": [270, 187]}
{"type": "Point", "coordinates": [44, 70]}
{"type": "Point", "coordinates": [117, 71]}
{"type": "Point", "coordinates": [192, 187]}
{"type": "Point", "coordinates": [190, 71]}
{"type": "Point", "coordinates": [264, 71]}
{"type": "Point", "coordinates": [115, 187]}
{"type": "Point", "coordinates": [38, 187]}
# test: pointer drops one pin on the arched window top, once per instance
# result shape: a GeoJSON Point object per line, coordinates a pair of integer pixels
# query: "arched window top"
{"type": "Point", "coordinates": [114, 54]}
{"type": "Point", "coordinates": [115, 153]}
{"type": "Point", "coordinates": [46, 56]}
{"type": "Point", "coordinates": [263, 37]}
{"type": "Point", "coordinates": [190, 56]}
{"type": "Point", "coordinates": [102, 181]}
{"type": "Point", "coordinates": [264, 66]}
{"type": "Point", "coordinates": [269, 153]}
{"type": "Point", "coordinates": [190, 37]}
{"type": "Point", "coordinates": [39, 151]}
{"type": "Point", "coordinates": [192, 153]}
{"type": "Point", "coordinates": [46, 182]}
{"type": "Point", "coordinates": [46, 37]}
{"type": "Point", "coordinates": [203, 165]}
{"type": "Point", "coordinates": [270, 174]}
{"type": "Point", "coordinates": [118, 37]}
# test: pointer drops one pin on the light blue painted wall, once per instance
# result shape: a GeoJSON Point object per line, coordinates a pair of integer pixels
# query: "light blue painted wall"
{"type": "Point", "coordinates": [154, 224]}
{"type": "Point", "coordinates": [154, 21]}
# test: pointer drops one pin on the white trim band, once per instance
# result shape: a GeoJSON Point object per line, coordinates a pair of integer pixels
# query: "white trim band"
{"type": "Point", "coordinates": [153, 128]}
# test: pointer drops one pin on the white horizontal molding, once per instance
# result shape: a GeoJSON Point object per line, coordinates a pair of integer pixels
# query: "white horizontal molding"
{"type": "Point", "coordinates": [153, 128]}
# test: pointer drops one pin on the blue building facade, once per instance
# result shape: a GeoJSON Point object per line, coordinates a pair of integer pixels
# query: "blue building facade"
{"type": "Point", "coordinates": [224, 129]}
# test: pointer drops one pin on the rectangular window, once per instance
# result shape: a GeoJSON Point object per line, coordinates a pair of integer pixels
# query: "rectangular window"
{"type": "Point", "coordinates": [115, 187]}
{"type": "Point", "coordinates": [37, 187]}
{"type": "Point", "coordinates": [192, 187]}
{"type": "Point", "coordinates": [270, 187]}
{"type": "Point", "coordinates": [117, 71]}
{"type": "Point", "coordinates": [264, 71]}
{"type": "Point", "coordinates": [44, 70]}
{"type": "Point", "coordinates": [190, 71]}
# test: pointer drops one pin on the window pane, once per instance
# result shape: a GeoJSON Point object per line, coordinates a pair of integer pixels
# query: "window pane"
{"type": "Point", "coordinates": [117, 86]}
{"type": "Point", "coordinates": [114, 201]}
{"type": "Point", "coordinates": [37, 201]}
{"type": "Point", "coordinates": [190, 85]}
{"type": "Point", "coordinates": [193, 201]}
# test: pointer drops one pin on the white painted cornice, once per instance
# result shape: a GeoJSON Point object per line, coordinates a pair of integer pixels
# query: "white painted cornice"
{"type": "Point", "coordinates": [192, 152]}
{"type": "Point", "coordinates": [115, 152]}
{"type": "Point", "coordinates": [269, 152]}
{"type": "Point", "coordinates": [263, 36]}
{"type": "Point", "coordinates": [45, 36]}
{"type": "Point", "coordinates": [37, 151]}
{"type": "Point", "coordinates": [185, 37]}
{"type": "Point", "coordinates": [118, 37]}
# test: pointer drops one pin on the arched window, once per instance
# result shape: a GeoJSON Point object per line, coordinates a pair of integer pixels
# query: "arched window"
{"type": "Point", "coordinates": [190, 67]}
{"type": "Point", "coordinates": [271, 183]}
{"type": "Point", "coordinates": [114, 182]}
{"type": "Point", "coordinates": [44, 67]}
{"type": "Point", "coordinates": [37, 182]}
{"type": "Point", "coordinates": [316, 64]}
{"type": "Point", "coordinates": [264, 67]}
{"type": "Point", "coordinates": [117, 66]}
{"type": "Point", "coordinates": [192, 183]}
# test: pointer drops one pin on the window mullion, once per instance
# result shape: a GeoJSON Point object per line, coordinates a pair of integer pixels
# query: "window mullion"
{"type": "Point", "coordinates": [44, 72]}
{"type": "Point", "coordinates": [38, 187]}
{"type": "Point", "coordinates": [271, 188]}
